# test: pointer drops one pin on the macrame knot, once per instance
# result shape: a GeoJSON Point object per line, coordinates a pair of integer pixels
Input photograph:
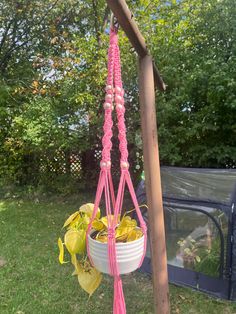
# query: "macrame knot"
{"type": "Point", "coordinates": [111, 233]}
{"type": "Point", "coordinates": [124, 165]}
{"type": "Point", "coordinates": [105, 164]}
{"type": "Point", "coordinates": [114, 39]}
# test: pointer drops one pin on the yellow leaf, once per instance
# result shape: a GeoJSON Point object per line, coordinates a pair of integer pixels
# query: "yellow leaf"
{"type": "Point", "coordinates": [88, 210]}
{"type": "Point", "coordinates": [132, 236]}
{"type": "Point", "coordinates": [121, 233]}
{"type": "Point", "coordinates": [80, 222]}
{"type": "Point", "coordinates": [89, 279]}
{"type": "Point", "coordinates": [104, 220]}
{"type": "Point", "coordinates": [70, 219]}
{"type": "Point", "coordinates": [85, 220]}
{"type": "Point", "coordinates": [75, 223]}
{"type": "Point", "coordinates": [102, 237]}
{"type": "Point", "coordinates": [126, 221]}
{"type": "Point", "coordinates": [75, 241]}
{"type": "Point", "coordinates": [124, 228]}
{"type": "Point", "coordinates": [97, 225]}
{"type": "Point", "coordinates": [61, 249]}
{"type": "Point", "coordinates": [139, 233]}
{"type": "Point", "coordinates": [77, 265]}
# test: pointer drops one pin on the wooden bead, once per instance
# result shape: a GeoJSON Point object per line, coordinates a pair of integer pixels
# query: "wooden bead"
{"type": "Point", "coordinates": [103, 164]}
{"type": "Point", "coordinates": [119, 106]}
{"type": "Point", "coordinates": [118, 89]}
{"type": "Point", "coordinates": [118, 99]}
{"type": "Point", "coordinates": [124, 165]}
{"type": "Point", "coordinates": [108, 87]}
{"type": "Point", "coordinates": [107, 105]}
{"type": "Point", "coordinates": [108, 97]}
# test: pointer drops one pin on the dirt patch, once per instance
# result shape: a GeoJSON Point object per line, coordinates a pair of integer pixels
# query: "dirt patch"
{"type": "Point", "coordinates": [2, 262]}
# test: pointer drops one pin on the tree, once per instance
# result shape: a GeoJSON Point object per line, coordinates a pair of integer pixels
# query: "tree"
{"type": "Point", "coordinates": [193, 43]}
{"type": "Point", "coordinates": [53, 71]}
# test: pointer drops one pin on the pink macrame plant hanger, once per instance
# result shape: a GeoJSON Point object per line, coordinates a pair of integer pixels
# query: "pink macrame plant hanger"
{"type": "Point", "coordinates": [115, 94]}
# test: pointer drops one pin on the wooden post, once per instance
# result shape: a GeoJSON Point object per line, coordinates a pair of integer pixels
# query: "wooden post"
{"type": "Point", "coordinates": [153, 185]}
{"type": "Point", "coordinates": [129, 26]}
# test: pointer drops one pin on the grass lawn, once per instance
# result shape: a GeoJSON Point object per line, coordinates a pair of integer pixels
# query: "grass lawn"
{"type": "Point", "coordinates": [33, 282]}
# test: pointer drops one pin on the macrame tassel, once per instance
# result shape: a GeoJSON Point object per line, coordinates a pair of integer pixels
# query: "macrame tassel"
{"type": "Point", "coordinates": [119, 299]}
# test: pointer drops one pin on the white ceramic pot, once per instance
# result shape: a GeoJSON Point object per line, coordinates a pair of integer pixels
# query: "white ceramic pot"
{"type": "Point", "coordinates": [128, 255]}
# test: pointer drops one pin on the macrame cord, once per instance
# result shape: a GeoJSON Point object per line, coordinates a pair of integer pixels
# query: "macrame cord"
{"type": "Point", "coordinates": [115, 94]}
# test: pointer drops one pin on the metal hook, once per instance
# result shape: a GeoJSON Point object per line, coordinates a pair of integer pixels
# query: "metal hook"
{"type": "Point", "coordinates": [114, 23]}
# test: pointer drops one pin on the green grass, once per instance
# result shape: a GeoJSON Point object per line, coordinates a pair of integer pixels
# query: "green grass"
{"type": "Point", "coordinates": [33, 282]}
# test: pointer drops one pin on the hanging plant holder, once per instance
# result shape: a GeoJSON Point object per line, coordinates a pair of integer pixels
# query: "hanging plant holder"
{"type": "Point", "coordinates": [112, 257]}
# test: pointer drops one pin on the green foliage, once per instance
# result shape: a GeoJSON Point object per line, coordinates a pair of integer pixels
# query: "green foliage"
{"type": "Point", "coordinates": [193, 44]}
{"type": "Point", "coordinates": [210, 260]}
{"type": "Point", "coordinates": [53, 71]}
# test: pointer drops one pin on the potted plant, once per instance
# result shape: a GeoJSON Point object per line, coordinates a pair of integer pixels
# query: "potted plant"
{"type": "Point", "coordinates": [189, 252]}
{"type": "Point", "coordinates": [129, 246]}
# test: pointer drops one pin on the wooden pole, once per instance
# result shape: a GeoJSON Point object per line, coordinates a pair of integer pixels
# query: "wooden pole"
{"type": "Point", "coordinates": [130, 27]}
{"type": "Point", "coordinates": [153, 185]}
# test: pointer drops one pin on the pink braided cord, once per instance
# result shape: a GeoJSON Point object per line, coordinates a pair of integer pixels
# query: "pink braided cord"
{"type": "Point", "coordinates": [114, 92]}
{"type": "Point", "coordinates": [120, 108]}
{"type": "Point", "coordinates": [108, 123]}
